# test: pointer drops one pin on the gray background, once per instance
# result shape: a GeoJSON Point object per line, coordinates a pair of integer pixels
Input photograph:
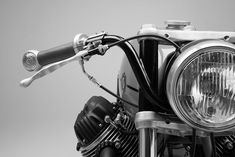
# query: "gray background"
{"type": "Point", "coordinates": [38, 121]}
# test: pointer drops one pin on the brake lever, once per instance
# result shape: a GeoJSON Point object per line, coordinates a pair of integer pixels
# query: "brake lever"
{"type": "Point", "coordinates": [52, 67]}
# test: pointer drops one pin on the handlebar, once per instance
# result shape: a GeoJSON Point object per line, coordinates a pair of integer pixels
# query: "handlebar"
{"type": "Point", "coordinates": [107, 41]}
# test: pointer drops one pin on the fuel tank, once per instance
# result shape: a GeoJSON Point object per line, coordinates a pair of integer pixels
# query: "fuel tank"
{"type": "Point", "coordinates": [128, 87]}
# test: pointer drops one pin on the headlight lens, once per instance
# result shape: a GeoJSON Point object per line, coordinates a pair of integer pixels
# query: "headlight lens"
{"type": "Point", "coordinates": [201, 85]}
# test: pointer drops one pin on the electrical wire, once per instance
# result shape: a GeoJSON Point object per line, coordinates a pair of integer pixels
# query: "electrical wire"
{"type": "Point", "coordinates": [141, 75]}
{"type": "Point", "coordinates": [138, 69]}
{"type": "Point", "coordinates": [118, 97]}
{"type": "Point", "coordinates": [92, 79]}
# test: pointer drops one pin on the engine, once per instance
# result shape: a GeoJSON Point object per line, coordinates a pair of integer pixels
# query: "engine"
{"type": "Point", "coordinates": [225, 146]}
{"type": "Point", "coordinates": [105, 128]}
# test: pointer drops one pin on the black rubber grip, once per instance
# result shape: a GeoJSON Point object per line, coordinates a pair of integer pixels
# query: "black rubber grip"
{"type": "Point", "coordinates": [55, 54]}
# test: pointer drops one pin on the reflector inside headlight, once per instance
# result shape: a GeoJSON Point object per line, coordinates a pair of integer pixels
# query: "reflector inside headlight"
{"type": "Point", "coordinates": [201, 85]}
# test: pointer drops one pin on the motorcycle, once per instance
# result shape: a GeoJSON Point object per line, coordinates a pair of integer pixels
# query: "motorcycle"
{"type": "Point", "coordinates": [175, 92]}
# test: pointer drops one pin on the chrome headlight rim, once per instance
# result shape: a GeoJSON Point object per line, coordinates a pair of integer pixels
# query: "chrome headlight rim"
{"type": "Point", "coordinates": [189, 53]}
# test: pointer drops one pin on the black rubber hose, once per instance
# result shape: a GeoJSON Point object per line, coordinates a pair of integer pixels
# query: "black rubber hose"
{"type": "Point", "coordinates": [149, 36]}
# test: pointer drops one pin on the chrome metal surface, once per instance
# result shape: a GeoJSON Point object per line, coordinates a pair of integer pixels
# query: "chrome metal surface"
{"type": "Point", "coordinates": [147, 29]}
{"type": "Point", "coordinates": [96, 37]}
{"type": "Point", "coordinates": [188, 53]}
{"type": "Point", "coordinates": [153, 142]}
{"type": "Point", "coordinates": [177, 24]}
{"type": "Point", "coordinates": [79, 42]}
{"type": "Point", "coordinates": [149, 119]}
{"type": "Point", "coordinates": [148, 142]}
{"type": "Point", "coordinates": [150, 28]}
{"type": "Point", "coordinates": [30, 60]}
{"type": "Point", "coordinates": [186, 34]}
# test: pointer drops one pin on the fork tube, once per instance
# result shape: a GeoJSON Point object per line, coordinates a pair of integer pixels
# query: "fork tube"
{"type": "Point", "coordinates": [207, 146]}
{"type": "Point", "coordinates": [148, 53]}
{"type": "Point", "coordinates": [148, 142]}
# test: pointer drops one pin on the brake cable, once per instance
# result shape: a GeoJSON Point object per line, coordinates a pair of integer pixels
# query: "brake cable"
{"type": "Point", "coordinates": [143, 36]}
{"type": "Point", "coordinates": [137, 66]}
{"type": "Point", "coordinates": [92, 79]}
{"type": "Point", "coordinates": [109, 41]}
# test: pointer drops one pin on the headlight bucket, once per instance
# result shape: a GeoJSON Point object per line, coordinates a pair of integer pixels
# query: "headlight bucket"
{"type": "Point", "coordinates": [201, 85]}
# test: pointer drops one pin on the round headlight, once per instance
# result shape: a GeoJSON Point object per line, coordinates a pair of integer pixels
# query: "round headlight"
{"type": "Point", "coordinates": [201, 85]}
